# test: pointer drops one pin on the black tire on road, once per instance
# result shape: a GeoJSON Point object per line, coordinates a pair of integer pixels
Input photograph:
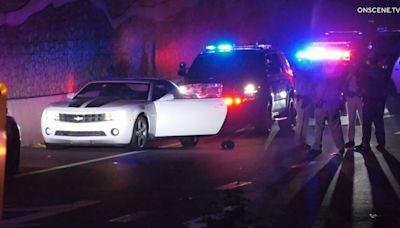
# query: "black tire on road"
{"type": "Point", "coordinates": [290, 121]}
{"type": "Point", "coordinates": [263, 125]}
{"type": "Point", "coordinates": [189, 141]}
{"type": "Point", "coordinates": [139, 134]}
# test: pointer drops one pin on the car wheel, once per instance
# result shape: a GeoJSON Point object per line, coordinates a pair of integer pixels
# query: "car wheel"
{"type": "Point", "coordinates": [290, 121]}
{"type": "Point", "coordinates": [264, 124]}
{"type": "Point", "coordinates": [189, 141]}
{"type": "Point", "coordinates": [139, 134]}
{"type": "Point", "coordinates": [13, 149]}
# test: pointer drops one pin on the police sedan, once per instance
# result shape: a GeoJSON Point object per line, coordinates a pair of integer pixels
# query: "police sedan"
{"type": "Point", "coordinates": [129, 113]}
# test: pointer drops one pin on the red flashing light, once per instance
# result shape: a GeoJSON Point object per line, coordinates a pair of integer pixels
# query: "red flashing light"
{"type": "Point", "coordinates": [229, 101]}
{"type": "Point", "coordinates": [70, 83]}
{"type": "Point", "coordinates": [346, 55]}
{"type": "Point", "coordinates": [238, 101]}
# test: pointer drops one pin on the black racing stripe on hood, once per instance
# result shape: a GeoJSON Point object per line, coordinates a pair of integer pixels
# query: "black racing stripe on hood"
{"type": "Point", "coordinates": [98, 102]}
{"type": "Point", "coordinates": [77, 103]}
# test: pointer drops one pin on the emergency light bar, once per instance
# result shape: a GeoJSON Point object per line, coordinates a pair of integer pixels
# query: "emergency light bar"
{"type": "Point", "coordinates": [319, 51]}
{"type": "Point", "coordinates": [223, 47]}
{"type": "Point", "coordinates": [227, 47]}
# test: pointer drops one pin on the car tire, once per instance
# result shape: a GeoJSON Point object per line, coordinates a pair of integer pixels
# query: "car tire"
{"type": "Point", "coordinates": [13, 148]}
{"type": "Point", "coordinates": [139, 134]}
{"type": "Point", "coordinates": [264, 125]}
{"type": "Point", "coordinates": [189, 141]}
{"type": "Point", "coordinates": [290, 121]}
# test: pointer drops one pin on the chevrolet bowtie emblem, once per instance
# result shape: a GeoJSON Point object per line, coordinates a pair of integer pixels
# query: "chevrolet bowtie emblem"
{"type": "Point", "coordinates": [78, 118]}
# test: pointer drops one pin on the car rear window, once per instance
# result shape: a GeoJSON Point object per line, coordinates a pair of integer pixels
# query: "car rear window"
{"type": "Point", "coordinates": [227, 67]}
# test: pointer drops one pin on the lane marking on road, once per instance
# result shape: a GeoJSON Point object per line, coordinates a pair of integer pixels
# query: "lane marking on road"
{"type": "Point", "coordinates": [284, 197]}
{"type": "Point", "coordinates": [397, 133]}
{"type": "Point", "coordinates": [388, 116]}
{"type": "Point", "coordinates": [76, 164]}
{"type": "Point", "coordinates": [303, 164]}
{"type": "Point", "coordinates": [388, 173]}
{"type": "Point", "coordinates": [43, 212]}
{"type": "Point", "coordinates": [326, 202]}
{"type": "Point", "coordinates": [200, 222]}
{"type": "Point", "coordinates": [130, 217]}
{"type": "Point", "coordinates": [362, 194]}
{"type": "Point", "coordinates": [233, 185]}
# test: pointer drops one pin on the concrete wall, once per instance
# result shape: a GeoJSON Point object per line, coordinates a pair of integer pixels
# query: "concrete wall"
{"type": "Point", "coordinates": [27, 113]}
{"type": "Point", "coordinates": [55, 50]}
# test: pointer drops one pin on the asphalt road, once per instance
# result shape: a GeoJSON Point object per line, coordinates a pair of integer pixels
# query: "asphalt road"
{"type": "Point", "coordinates": [264, 181]}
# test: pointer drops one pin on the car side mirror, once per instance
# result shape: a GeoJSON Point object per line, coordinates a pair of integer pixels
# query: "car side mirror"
{"type": "Point", "coordinates": [182, 70]}
{"type": "Point", "coordinates": [167, 97]}
{"type": "Point", "coordinates": [70, 96]}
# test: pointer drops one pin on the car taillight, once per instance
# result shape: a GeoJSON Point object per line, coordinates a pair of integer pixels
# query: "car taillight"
{"type": "Point", "coordinates": [229, 101]}
{"type": "Point", "coordinates": [238, 100]}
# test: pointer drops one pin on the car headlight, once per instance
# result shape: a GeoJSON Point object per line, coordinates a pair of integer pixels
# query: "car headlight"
{"type": "Point", "coordinates": [282, 94]}
{"type": "Point", "coordinates": [250, 89]}
{"type": "Point", "coordinates": [279, 95]}
{"type": "Point", "coordinates": [108, 116]}
{"type": "Point", "coordinates": [112, 116]}
{"type": "Point", "coordinates": [52, 116]}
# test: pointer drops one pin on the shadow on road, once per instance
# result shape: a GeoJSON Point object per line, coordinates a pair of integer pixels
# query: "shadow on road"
{"type": "Point", "coordinates": [385, 200]}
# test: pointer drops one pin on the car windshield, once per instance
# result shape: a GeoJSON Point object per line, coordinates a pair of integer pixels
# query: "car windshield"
{"type": "Point", "coordinates": [136, 91]}
{"type": "Point", "coordinates": [225, 67]}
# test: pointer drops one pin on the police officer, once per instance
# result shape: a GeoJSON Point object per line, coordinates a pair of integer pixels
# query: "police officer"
{"type": "Point", "coordinates": [354, 103]}
{"type": "Point", "coordinates": [373, 82]}
{"type": "Point", "coordinates": [327, 106]}
{"type": "Point", "coordinates": [304, 103]}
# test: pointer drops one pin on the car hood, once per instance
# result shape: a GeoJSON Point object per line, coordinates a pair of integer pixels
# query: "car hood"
{"type": "Point", "coordinates": [103, 102]}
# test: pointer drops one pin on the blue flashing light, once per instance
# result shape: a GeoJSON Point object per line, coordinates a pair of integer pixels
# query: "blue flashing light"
{"type": "Point", "coordinates": [210, 48]}
{"type": "Point", "coordinates": [225, 48]}
{"type": "Point", "coordinates": [301, 55]}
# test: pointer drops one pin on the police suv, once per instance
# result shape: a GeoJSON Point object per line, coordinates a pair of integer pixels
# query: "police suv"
{"type": "Point", "coordinates": [257, 83]}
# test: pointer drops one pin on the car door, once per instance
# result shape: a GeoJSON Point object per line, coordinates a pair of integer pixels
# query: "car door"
{"type": "Point", "coordinates": [396, 74]}
{"type": "Point", "coordinates": [185, 117]}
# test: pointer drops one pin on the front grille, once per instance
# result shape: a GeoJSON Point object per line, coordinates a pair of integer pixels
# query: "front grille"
{"type": "Point", "coordinates": [84, 118]}
{"type": "Point", "coordinates": [80, 133]}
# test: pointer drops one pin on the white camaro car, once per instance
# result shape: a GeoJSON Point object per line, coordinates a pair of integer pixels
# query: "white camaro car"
{"type": "Point", "coordinates": [130, 112]}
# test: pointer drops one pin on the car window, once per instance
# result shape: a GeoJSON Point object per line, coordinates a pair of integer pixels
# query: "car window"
{"type": "Point", "coordinates": [159, 90]}
{"type": "Point", "coordinates": [227, 67]}
{"type": "Point", "coordinates": [137, 91]}
{"type": "Point", "coordinates": [273, 64]}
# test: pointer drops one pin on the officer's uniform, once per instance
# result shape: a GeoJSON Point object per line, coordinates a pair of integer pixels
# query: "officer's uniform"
{"type": "Point", "coordinates": [304, 103]}
{"type": "Point", "coordinates": [327, 108]}
{"type": "Point", "coordinates": [354, 105]}
{"type": "Point", "coordinates": [373, 83]}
